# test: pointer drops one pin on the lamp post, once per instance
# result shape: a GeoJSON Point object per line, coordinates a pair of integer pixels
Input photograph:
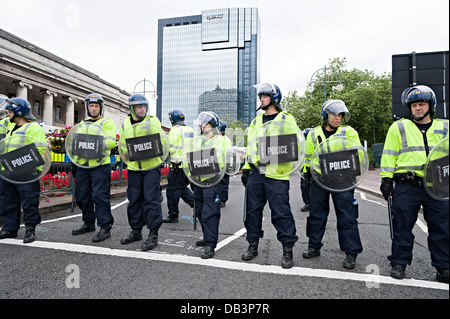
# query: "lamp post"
{"type": "Point", "coordinates": [338, 87]}
{"type": "Point", "coordinates": [144, 87]}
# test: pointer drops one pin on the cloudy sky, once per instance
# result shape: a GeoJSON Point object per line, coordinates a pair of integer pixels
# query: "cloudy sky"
{"type": "Point", "coordinates": [117, 39]}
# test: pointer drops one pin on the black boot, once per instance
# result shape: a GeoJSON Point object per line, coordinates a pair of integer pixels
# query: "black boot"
{"type": "Point", "coordinates": [442, 275]}
{"type": "Point", "coordinates": [349, 261]}
{"type": "Point", "coordinates": [29, 233]}
{"type": "Point", "coordinates": [398, 271]}
{"type": "Point", "coordinates": [7, 234]}
{"type": "Point", "coordinates": [135, 235]}
{"type": "Point", "coordinates": [208, 253]}
{"type": "Point", "coordinates": [251, 252]}
{"type": "Point", "coordinates": [102, 235]}
{"type": "Point", "coordinates": [85, 228]}
{"type": "Point", "coordinates": [286, 261]}
{"type": "Point", "coordinates": [151, 242]}
{"type": "Point", "coordinates": [311, 253]}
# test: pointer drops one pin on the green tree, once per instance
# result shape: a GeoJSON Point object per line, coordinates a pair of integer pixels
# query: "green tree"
{"type": "Point", "coordinates": [368, 97]}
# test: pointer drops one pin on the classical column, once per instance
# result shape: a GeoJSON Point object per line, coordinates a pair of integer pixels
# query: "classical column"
{"type": "Point", "coordinates": [70, 110]}
{"type": "Point", "coordinates": [48, 111]}
{"type": "Point", "coordinates": [22, 89]}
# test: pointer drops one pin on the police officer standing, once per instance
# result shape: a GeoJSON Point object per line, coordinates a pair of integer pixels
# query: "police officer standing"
{"type": "Point", "coordinates": [226, 178]}
{"type": "Point", "coordinates": [143, 188]}
{"type": "Point", "coordinates": [207, 202]}
{"type": "Point", "coordinates": [15, 197]}
{"type": "Point", "coordinates": [93, 185]}
{"type": "Point", "coordinates": [261, 188]}
{"type": "Point", "coordinates": [177, 182]}
{"type": "Point", "coordinates": [408, 143]}
{"type": "Point", "coordinates": [333, 112]}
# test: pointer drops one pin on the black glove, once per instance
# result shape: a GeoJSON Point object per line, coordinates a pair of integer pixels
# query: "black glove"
{"type": "Point", "coordinates": [244, 177]}
{"type": "Point", "coordinates": [387, 187]}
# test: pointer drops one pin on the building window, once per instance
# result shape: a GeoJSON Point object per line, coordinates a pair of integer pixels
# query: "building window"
{"type": "Point", "coordinates": [77, 116]}
{"type": "Point", "coordinates": [59, 115]}
{"type": "Point", "coordinates": [37, 107]}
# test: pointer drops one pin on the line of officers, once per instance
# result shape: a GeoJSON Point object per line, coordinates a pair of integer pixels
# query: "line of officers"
{"type": "Point", "coordinates": [407, 145]}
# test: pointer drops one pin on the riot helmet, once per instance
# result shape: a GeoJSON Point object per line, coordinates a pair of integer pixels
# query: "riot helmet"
{"type": "Point", "coordinates": [138, 100]}
{"type": "Point", "coordinates": [222, 127]}
{"type": "Point", "coordinates": [420, 93]}
{"type": "Point", "coordinates": [273, 91]}
{"type": "Point", "coordinates": [176, 117]}
{"type": "Point", "coordinates": [334, 107]}
{"type": "Point", "coordinates": [205, 118]}
{"type": "Point", "coordinates": [94, 98]}
{"type": "Point", "coordinates": [20, 107]}
{"type": "Point", "coordinates": [306, 132]}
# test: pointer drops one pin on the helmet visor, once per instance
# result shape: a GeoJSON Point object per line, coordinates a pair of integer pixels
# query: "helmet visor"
{"type": "Point", "coordinates": [336, 107]}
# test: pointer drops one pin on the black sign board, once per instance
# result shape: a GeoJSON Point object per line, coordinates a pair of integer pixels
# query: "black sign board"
{"type": "Point", "coordinates": [203, 162]}
{"type": "Point", "coordinates": [22, 161]}
{"type": "Point", "coordinates": [439, 176]}
{"type": "Point", "coordinates": [278, 149]}
{"type": "Point", "coordinates": [339, 169]}
{"type": "Point", "coordinates": [87, 146]}
{"type": "Point", "coordinates": [144, 147]}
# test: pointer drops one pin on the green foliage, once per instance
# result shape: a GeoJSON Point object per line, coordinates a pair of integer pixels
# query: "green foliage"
{"type": "Point", "coordinates": [368, 98]}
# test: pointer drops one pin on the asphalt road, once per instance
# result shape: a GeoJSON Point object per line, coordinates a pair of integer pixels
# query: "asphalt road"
{"type": "Point", "coordinates": [61, 266]}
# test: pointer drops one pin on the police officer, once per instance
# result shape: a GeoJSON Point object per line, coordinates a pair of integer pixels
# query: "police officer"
{"type": "Point", "coordinates": [332, 113]}
{"type": "Point", "coordinates": [305, 195]}
{"type": "Point", "coordinates": [408, 143]}
{"type": "Point", "coordinates": [143, 190]}
{"type": "Point", "coordinates": [15, 197]}
{"type": "Point", "coordinates": [207, 207]}
{"type": "Point", "coordinates": [273, 188]}
{"type": "Point", "coordinates": [226, 178]}
{"type": "Point", "coordinates": [93, 185]}
{"type": "Point", "coordinates": [177, 182]}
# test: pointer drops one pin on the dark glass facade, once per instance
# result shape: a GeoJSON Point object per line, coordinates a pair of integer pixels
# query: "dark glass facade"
{"type": "Point", "coordinates": [207, 63]}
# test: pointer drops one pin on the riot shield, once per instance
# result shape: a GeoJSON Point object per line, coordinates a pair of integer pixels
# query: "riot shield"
{"type": "Point", "coordinates": [277, 149]}
{"type": "Point", "coordinates": [24, 159]}
{"type": "Point", "coordinates": [339, 164]}
{"type": "Point", "coordinates": [87, 145]}
{"type": "Point", "coordinates": [3, 131]}
{"type": "Point", "coordinates": [436, 171]}
{"type": "Point", "coordinates": [144, 146]}
{"type": "Point", "coordinates": [204, 161]}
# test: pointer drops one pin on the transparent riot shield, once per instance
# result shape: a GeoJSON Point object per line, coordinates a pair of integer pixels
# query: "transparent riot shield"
{"type": "Point", "coordinates": [23, 159]}
{"type": "Point", "coordinates": [277, 149]}
{"type": "Point", "coordinates": [339, 164]}
{"type": "Point", "coordinates": [436, 171]}
{"type": "Point", "coordinates": [88, 145]}
{"type": "Point", "coordinates": [233, 162]}
{"type": "Point", "coordinates": [204, 160]}
{"type": "Point", "coordinates": [144, 146]}
{"type": "Point", "coordinates": [3, 131]}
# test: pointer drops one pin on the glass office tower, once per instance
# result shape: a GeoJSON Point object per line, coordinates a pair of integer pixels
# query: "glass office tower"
{"type": "Point", "coordinates": [207, 63]}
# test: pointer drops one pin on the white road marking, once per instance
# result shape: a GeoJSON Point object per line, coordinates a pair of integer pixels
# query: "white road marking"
{"type": "Point", "coordinates": [230, 265]}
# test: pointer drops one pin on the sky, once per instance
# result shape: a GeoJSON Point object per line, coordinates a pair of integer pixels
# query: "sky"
{"type": "Point", "coordinates": [117, 39]}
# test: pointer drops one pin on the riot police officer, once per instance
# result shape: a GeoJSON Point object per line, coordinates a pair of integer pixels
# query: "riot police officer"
{"type": "Point", "coordinates": [15, 197]}
{"type": "Point", "coordinates": [143, 189]}
{"type": "Point", "coordinates": [408, 143]}
{"type": "Point", "coordinates": [206, 199]}
{"type": "Point", "coordinates": [261, 188]}
{"type": "Point", "coordinates": [177, 182]}
{"type": "Point", "coordinates": [332, 113]}
{"type": "Point", "coordinates": [93, 184]}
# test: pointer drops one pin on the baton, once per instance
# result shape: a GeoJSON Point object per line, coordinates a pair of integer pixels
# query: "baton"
{"type": "Point", "coordinates": [194, 219]}
{"type": "Point", "coordinates": [245, 205]}
{"type": "Point", "coordinates": [391, 217]}
{"type": "Point", "coordinates": [73, 198]}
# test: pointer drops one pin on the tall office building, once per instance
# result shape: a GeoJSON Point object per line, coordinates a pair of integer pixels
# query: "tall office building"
{"type": "Point", "coordinates": [208, 62]}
